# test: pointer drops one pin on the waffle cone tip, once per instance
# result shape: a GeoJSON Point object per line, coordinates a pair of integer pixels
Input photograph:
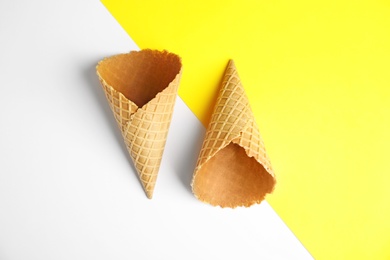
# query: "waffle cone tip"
{"type": "Point", "coordinates": [149, 194]}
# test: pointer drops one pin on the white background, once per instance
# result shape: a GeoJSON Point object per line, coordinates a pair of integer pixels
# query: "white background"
{"type": "Point", "coordinates": [68, 189]}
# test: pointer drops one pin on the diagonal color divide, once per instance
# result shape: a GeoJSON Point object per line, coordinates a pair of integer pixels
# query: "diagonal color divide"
{"type": "Point", "coordinates": [317, 78]}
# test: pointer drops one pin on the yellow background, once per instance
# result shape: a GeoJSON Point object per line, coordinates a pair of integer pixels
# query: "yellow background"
{"type": "Point", "coordinates": [317, 76]}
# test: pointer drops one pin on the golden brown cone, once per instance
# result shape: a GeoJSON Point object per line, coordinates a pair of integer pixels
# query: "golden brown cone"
{"type": "Point", "coordinates": [233, 168]}
{"type": "Point", "coordinates": [141, 88]}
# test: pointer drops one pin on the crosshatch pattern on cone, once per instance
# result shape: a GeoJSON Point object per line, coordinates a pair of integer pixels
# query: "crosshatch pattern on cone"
{"type": "Point", "coordinates": [233, 168]}
{"type": "Point", "coordinates": [141, 89]}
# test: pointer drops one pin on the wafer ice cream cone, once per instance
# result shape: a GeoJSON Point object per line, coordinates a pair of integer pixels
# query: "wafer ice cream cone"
{"type": "Point", "coordinates": [233, 168]}
{"type": "Point", "coordinates": [141, 88]}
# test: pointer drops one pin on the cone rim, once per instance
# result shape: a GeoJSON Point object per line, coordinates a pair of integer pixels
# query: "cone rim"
{"type": "Point", "coordinates": [176, 77]}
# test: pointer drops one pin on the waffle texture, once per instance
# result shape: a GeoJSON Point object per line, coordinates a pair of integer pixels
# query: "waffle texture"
{"type": "Point", "coordinates": [232, 128]}
{"type": "Point", "coordinates": [141, 89]}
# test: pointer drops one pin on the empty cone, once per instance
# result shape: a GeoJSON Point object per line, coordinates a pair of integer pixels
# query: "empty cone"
{"type": "Point", "coordinates": [233, 168]}
{"type": "Point", "coordinates": [141, 88]}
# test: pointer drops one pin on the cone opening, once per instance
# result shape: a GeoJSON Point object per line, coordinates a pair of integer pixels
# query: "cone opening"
{"type": "Point", "coordinates": [231, 179]}
{"type": "Point", "coordinates": [140, 75]}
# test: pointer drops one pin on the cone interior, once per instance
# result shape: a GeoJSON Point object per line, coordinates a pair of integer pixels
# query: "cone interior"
{"type": "Point", "coordinates": [231, 178]}
{"type": "Point", "coordinates": [140, 76]}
